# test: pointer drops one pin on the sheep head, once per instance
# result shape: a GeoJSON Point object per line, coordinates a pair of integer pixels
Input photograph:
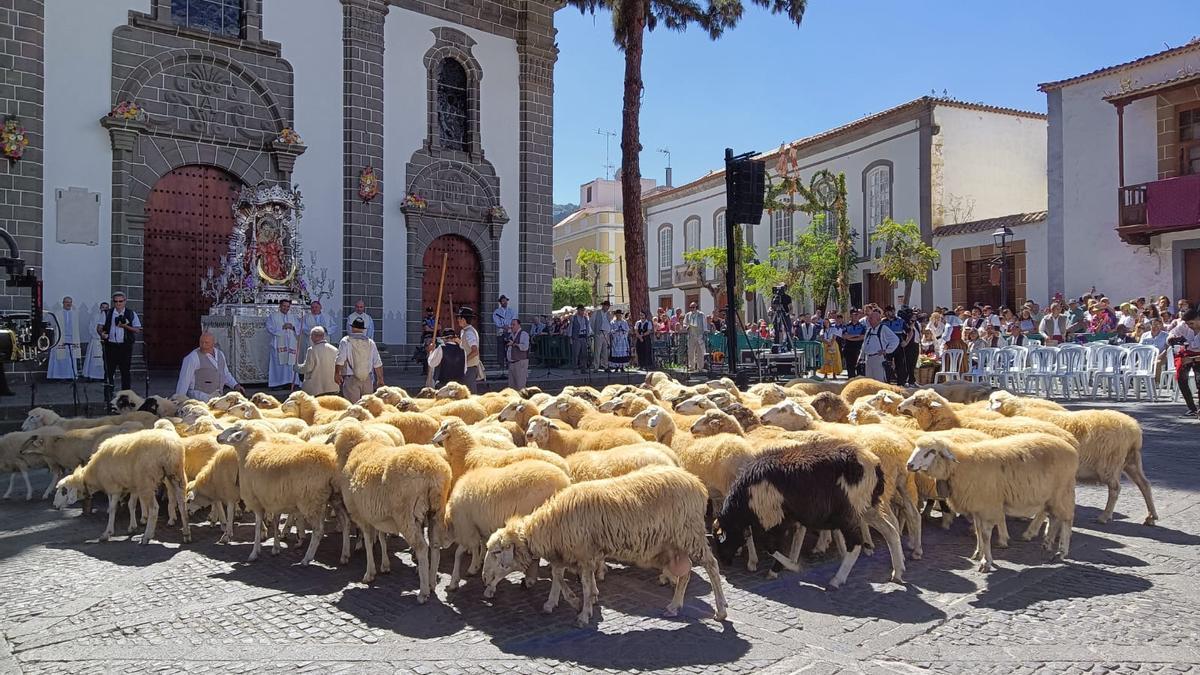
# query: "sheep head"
{"type": "Point", "coordinates": [695, 405]}
{"type": "Point", "coordinates": [445, 429]}
{"type": "Point", "coordinates": [714, 422]}
{"type": "Point", "coordinates": [454, 391]}
{"type": "Point", "coordinates": [127, 400]}
{"type": "Point", "coordinates": [40, 417]}
{"type": "Point", "coordinates": [933, 457]}
{"type": "Point", "coordinates": [926, 406]}
{"type": "Point", "coordinates": [391, 395]}
{"type": "Point", "coordinates": [265, 401]}
{"type": "Point", "coordinates": [726, 541]}
{"type": "Point", "coordinates": [831, 407]}
{"type": "Point", "coordinates": [1004, 403]}
{"type": "Point", "coordinates": [861, 413]}
{"type": "Point", "coordinates": [539, 430]}
{"type": "Point", "coordinates": [770, 394]}
{"type": "Point", "coordinates": [70, 488]}
{"type": "Point", "coordinates": [240, 435]}
{"type": "Point", "coordinates": [744, 415]}
{"type": "Point", "coordinates": [512, 412]}
{"type": "Point", "coordinates": [356, 412]}
{"type": "Point", "coordinates": [426, 392]}
{"type": "Point", "coordinates": [787, 415]}
{"type": "Point", "coordinates": [372, 404]}
{"type": "Point", "coordinates": [530, 392]}
{"type": "Point", "coordinates": [507, 550]}
{"type": "Point", "coordinates": [654, 424]}
{"type": "Point", "coordinates": [246, 411]}
{"type": "Point", "coordinates": [226, 401]}
{"type": "Point", "coordinates": [35, 443]}
{"type": "Point", "coordinates": [885, 401]}
{"type": "Point", "coordinates": [203, 425]}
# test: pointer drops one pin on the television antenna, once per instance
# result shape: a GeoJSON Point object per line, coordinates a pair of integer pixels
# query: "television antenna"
{"type": "Point", "coordinates": [608, 166]}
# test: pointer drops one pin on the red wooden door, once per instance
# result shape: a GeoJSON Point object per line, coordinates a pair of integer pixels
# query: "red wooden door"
{"type": "Point", "coordinates": [189, 219]}
{"type": "Point", "coordinates": [1191, 275]}
{"type": "Point", "coordinates": [462, 278]}
{"type": "Point", "coordinates": [879, 290]}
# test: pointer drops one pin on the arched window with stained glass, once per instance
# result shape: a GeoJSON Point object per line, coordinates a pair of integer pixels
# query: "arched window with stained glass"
{"type": "Point", "coordinates": [220, 17]}
{"type": "Point", "coordinates": [453, 105]}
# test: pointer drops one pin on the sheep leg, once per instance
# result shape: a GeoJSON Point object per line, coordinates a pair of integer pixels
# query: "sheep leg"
{"type": "Point", "coordinates": [714, 579]}
{"type": "Point", "coordinates": [947, 514]}
{"type": "Point", "coordinates": [751, 553]}
{"type": "Point", "coordinates": [913, 519]}
{"type": "Point", "coordinates": [113, 500]}
{"type": "Point", "coordinates": [216, 513]}
{"type": "Point", "coordinates": [385, 562]}
{"type": "Point", "coordinates": [228, 536]}
{"type": "Point", "coordinates": [822, 544]}
{"type": "Point", "coordinates": [455, 572]}
{"type": "Point", "coordinates": [435, 554]}
{"type": "Point", "coordinates": [344, 519]}
{"type": "Point", "coordinates": [318, 528]}
{"type": "Point", "coordinates": [1064, 538]}
{"type": "Point", "coordinates": [476, 560]}
{"type": "Point", "coordinates": [531, 573]}
{"type": "Point", "coordinates": [368, 538]}
{"type": "Point", "coordinates": [681, 583]}
{"type": "Point", "coordinates": [274, 533]}
{"type": "Point", "coordinates": [839, 542]}
{"type": "Point", "coordinates": [601, 570]}
{"type": "Point", "coordinates": [983, 536]}
{"type": "Point", "coordinates": [868, 544]}
{"type": "Point", "coordinates": [55, 476]}
{"type": "Point", "coordinates": [848, 561]}
{"type": "Point", "coordinates": [171, 503]}
{"type": "Point", "coordinates": [420, 549]}
{"type": "Point", "coordinates": [12, 479]}
{"type": "Point", "coordinates": [1035, 525]}
{"type": "Point", "coordinates": [587, 575]}
{"type": "Point", "coordinates": [183, 516]}
{"type": "Point", "coordinates": [258, 534]}
{"type": "Point", "coordinates": [132, 513]}
{"type": "Point", "coordinates": [556, 587]}
{"type": "Point", "coordinates": [883, 523]}
{"type": "Point", "coordinates": [1134, 470]}
{"type": "Point", "coordinates": [151, 520]}
{"type": "Point", "coordinates": [793, 557]}
{"type": "Point", "coordinates": [1114, 490]}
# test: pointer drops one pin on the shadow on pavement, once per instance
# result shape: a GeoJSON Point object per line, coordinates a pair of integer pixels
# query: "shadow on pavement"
{"type": "Point", "coordinates": [1071, 581]}
{"type": "Point", "coordinates": [692, 645]}
{"type": "Point", "coordinates": [1086, 520]}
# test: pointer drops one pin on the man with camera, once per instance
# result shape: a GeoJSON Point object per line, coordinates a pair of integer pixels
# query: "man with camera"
{"type": "Point", "coordinates": [118, 330]}
{"type": "Point", "coordinates": [781, 310]}
{"type": "Point", "coordinates": [878, 342]}
{"type": "Point", "coordinates": [1185, 337]}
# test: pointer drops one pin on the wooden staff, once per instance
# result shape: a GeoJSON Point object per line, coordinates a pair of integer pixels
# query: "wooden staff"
{"type": "Point", "coordinates": [437, 316]}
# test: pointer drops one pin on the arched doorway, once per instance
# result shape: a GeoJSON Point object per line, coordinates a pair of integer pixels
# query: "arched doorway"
{"type": "Point", "coordinates": [462, 276]}
{"type": "Point", "coordinates": [189, 218]}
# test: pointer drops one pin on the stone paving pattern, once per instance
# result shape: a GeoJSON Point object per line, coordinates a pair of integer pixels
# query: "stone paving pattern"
{"type": "Point", "coordinates": [1126, 601]}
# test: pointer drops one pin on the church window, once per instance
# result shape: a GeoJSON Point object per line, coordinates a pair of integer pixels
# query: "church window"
{"type": "Point", "coordinates": [221, 17]}
{"type": "Point", "coordinates": [453, 105]}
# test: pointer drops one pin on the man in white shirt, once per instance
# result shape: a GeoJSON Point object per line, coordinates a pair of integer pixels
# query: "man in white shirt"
{"type": "Point", "coordinates": [64, 358]}
{"type": "Point", "coordinates": [357, 360]}
{"type": "Point", "coordinates": [285, 346]}
{"type": "Point", "coordinates": [877, 344]}
{"type": "Point", "coordinates": [502, 319]}
{"type": "Point", "coordinates": [1156, 337]}
{"type": "Point", "coordinates": [118, 330]}
{"type": "Point", "coordinates": [601, 327]}
{"type": "Point", "coordinates": [320, 364]}
{"type": "Point", "coordinates": [694, 321]}
{"type": "Point", "coordinates": [360, 313]}
{"type": "Point", "coordinates": [518, 356]}
{"type": "Point", "coordinates": [205, 372]}
{"type": "Point", "coordinates": [468, 339]}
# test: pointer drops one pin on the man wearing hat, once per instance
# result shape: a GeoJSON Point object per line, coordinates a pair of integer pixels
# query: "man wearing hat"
{"type": "Point", "coordinates": [502, 318]}
{"type": "Point", "coordinates": [601, 328]}
{"type": "Point", "coordinates": [579, 330]}
{"type": "Point", "coordinates": [357, 360]}
{"type": "Point", "coordinates": [468, 339]}
{"type": "Point", "coordinates": [447, 359]}
{"type": "Point", "coordinates": [518, 356]}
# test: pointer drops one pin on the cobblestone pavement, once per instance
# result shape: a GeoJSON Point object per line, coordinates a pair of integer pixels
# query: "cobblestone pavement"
{"type": "Point", "coordinates": [1126, 601]}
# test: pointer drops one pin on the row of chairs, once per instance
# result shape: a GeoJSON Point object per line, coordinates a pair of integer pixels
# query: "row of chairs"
{"type": "Point", "coordinates": [1068, 369]}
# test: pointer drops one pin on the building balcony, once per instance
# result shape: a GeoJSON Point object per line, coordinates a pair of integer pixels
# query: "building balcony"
{"type": "Point", "coordinates": [1169, 205]}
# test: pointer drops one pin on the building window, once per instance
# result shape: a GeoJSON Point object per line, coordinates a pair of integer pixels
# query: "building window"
{"type": "Point", "coordinates": [664, 248]}
{"type": "Point", "coordinates": [567, 262]}
{"type": "Point", "coordinates": [826, 222]}
{"type": "Point", "coordinates": [691, 234]}
{"type": "Point", "coordinates": [222, 17]}
{"type": "Point", "coordinates": [589, 195]}
{"type": "Point", "coordinates": [781, 225]}
{"type": "Point", "coordinates": [719, 229]}
{"type": "Point", "coordinates": [877, 201]}
{"type": "Point", "coordinates": [453, 105]}
{"type": "Point", "coordinates": [1189, 142]}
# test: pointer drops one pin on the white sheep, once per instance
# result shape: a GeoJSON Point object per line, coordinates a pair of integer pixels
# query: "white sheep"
{"type": "Point", "coordinates": [465, 452]}
{"type": "Point", "coordinates": [545, 435]}
{"type": "Point", "coordinates": [13, 460]}
{"type": "Point", "coordinates": [216, 485]}
{"type": "Point", "coordinates": [597, 464]}
{"type": "Point", "coordinates": [1024, 472]}
{"type": "Point", "coordinates": [580, 414]}
{"type": "Point", "coordinates": [484, 499]}
{"type": "Point", "coordinates": [62, 450]}
{"type": "Point", "coordinates": [44, 417]}
{"type": "Point", "coordinates": [650, 518]}
{"type": "Point", "coordinates": [133, 464]}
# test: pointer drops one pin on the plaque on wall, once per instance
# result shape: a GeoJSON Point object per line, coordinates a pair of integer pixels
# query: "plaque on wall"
{"type": "Point", "coordinates": [77, 216]}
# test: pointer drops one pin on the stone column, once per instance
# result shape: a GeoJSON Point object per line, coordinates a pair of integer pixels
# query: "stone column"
{"type": "Point", "coordinates": [537, 54]}
{"type": "Point", "coordinates": [22, 96]}
{"type": "Point", "coordinates": [362, 146]}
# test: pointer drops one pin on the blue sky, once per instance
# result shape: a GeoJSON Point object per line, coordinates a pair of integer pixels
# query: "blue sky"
{"type": "Point", "coordinates": [766, 81]}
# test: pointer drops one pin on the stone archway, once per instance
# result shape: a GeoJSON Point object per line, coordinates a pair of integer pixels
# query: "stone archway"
{"type": "Point", "coordinates": [464, 276]}
{"type": "Point", "coordinates": [189, 216]}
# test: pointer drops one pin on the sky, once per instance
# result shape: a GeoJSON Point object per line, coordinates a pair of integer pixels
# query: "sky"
{"type": "Point", "coordinates": [767, 82]}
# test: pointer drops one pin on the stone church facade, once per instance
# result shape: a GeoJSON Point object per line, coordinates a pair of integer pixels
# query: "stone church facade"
{"type": "Point", "coordinates": [448, 105]}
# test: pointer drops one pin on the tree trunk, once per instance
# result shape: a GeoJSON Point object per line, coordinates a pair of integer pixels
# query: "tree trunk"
{"type": "Point", "coordinates": [634, 16]}
{"type": "Point", "coordinates": [908, 284]}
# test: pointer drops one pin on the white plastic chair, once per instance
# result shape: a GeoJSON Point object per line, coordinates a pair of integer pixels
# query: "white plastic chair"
{"type": "Point", "coordinates": [1042, 365]}
{"type": "Point", "coordinates": [1139, 371]}
{"type": "Point", "coordinates": [1109, 371]}
{"type": "Point", "coordinates": [951, 366]}
{"type": "Point", "coordinates": [982, 370]}
{"type": "Point", "coordinates": [1005, 367]}
{"type": "Point", "coordinates": [1166, 379]}
{"type": "Point", "coordinates": [1070, 369]}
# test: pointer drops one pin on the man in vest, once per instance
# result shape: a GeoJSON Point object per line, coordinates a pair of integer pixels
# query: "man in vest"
{"type": "Point", "coordinates": [601, 326]}
{"type": "Point", "coordinates": [877, 344]}
{"type": "Point", "coordinates": [320, 364]}
{"type": "Point", "coordinates": [502, 318]}
{"type": "Point", "coordinates": [117, 331]}
{"type": "Point", "coordinates": [205, 372]}
{"type": "Point", "coordinates": [447, 360]}
{"type": "Point", "coordinates": [468, 339]}
{"type": "Point", "coordinates": [357, 359]}
{"type": "Point", "coordinates": [578, 330]}
{"type": "Point", "coordinates": [518, 356]}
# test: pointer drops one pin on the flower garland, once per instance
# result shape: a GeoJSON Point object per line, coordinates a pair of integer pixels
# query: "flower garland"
{"type": "Point", "coordinates": [414, 201]}
{"type": "Point", "coordinates": [368, 184]}
{"type": "Point", "coordinates": [13, 139]}
{"type": "Point", "coordinates": [498, 213]}
{"type": "Point", "coordinates": [290, 137]}
{"type": "Point", "coordinates": [127, 110]}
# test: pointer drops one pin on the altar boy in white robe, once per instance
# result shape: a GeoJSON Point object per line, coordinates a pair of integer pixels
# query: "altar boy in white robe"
{"type": "Point", "coordinates": [64, 358]}
{"type": "Point", "coordinates": [284, 346]}
{"type": "Point", "coordinates": [93, 364]}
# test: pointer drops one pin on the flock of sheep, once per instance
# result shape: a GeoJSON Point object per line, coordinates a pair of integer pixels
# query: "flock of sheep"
{"type": "Point", "coordinates": [624, 474]}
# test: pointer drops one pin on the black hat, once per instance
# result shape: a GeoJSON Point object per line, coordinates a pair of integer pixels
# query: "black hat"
{"type": "Point", "coordinates": [449, 333]}
{"type": "Point", "coordinates": [465, 313]}
{"type": "Point", "coordinates": [429, 309]}
{"type": "Point", "coordinates": [358, 323]}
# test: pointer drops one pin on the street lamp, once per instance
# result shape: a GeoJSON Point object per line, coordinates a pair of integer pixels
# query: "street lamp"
{"type": "Point", "coordinates": [608, 287]}
{"type": "Point", "coordinates": [1000, 238]}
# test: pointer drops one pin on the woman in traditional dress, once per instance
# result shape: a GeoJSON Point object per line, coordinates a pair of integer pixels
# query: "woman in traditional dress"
{"type": "Point", "coordinates": [644, 332]}
{"type": "Point", "coordinates": [618, 351]}
{"type": "Point", "coordinates": [831, 365]}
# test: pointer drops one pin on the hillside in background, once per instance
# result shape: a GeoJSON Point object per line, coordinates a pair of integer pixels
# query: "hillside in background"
{"type": "Point", "coordinates": [563, 210]}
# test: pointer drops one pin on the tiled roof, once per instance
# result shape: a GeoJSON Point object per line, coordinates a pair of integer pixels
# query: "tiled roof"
{"type": "Point", "coordinates": [1147, 89]}
{"type": "Point", "coordinates": [719, 174]}
{"type": "Point", "coordinates": [988, 224]}
{"type": "Point", "coordinates": [1192, 45]}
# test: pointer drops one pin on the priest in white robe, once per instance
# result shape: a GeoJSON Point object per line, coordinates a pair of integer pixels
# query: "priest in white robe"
{"type": "Point", "coordinates": [64, 358]}
{"type": "Point", "coordinates": [93, 363]}
{"type": "Point", "coordinates": [314, 317]}
{"type": "Point", "coordinates": [285, 346]}
{"type": "Point", "coordinates": [360, 313]}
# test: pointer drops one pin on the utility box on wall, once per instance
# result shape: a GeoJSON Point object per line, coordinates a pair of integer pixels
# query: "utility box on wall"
{"type": "Point", "coordinates": [77, 216]}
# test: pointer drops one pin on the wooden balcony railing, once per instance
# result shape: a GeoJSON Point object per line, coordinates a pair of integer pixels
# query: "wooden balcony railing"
{"type": "Point", "coordinates": [1133, 205]}
{"type": "Point", "coordinates": [1156, 207]}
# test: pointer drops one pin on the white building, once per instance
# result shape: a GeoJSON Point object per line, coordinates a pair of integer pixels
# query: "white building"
{"type": "Point", "coordinates": [1124, 178]}
{"type": "Point", "coordinates": [449, 101]}
{"type": "Point", "coordinates": [934, 161]}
